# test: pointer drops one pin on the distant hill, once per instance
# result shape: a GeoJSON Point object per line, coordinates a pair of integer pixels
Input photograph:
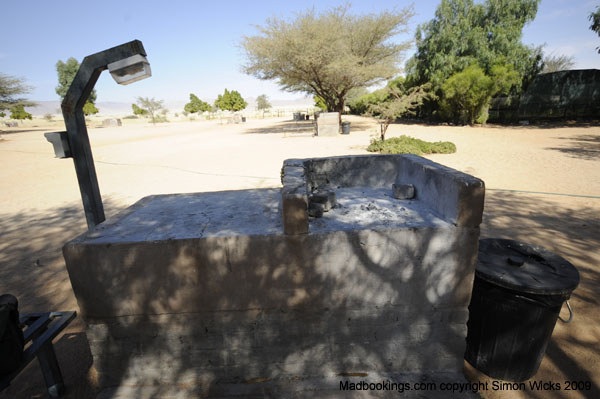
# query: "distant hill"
{"type": "Point", "coordinates": [121, 108]}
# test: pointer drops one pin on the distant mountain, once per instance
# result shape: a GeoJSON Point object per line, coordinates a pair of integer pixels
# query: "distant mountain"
{"type": "Point", "coordinates": [121, 108]}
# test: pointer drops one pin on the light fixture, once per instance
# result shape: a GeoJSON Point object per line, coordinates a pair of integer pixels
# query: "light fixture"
{"type": "Point", "coordinates": [130, 69]}
{"type": "Point", "coordinates": [127, 63]}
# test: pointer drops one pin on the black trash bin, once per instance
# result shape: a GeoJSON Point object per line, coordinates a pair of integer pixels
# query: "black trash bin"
{"type": "Point", "coordinates": [345, 127]}
{"type": "Point", "coordinates": [518, 292]}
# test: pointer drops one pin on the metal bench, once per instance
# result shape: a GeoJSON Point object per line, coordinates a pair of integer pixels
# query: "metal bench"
{"type": "Point", "coordinates": [41, 329]}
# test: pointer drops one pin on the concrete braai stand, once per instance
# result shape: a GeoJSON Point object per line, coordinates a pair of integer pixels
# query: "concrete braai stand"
{"type": "Point", "coordinates": [239, 292]}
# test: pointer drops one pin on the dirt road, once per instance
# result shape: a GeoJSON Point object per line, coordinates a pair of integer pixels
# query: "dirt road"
{"type": "Point", "coordinates": [542, 187]}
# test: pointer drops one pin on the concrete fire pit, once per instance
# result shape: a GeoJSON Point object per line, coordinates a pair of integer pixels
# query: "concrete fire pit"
{"type": "Point", "coordinates": [239, 292]}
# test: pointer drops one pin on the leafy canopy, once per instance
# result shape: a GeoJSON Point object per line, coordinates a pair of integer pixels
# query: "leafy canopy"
{"type": "Point", "coordinates": [11, 88]}
{"type": "Point", "coordinates": [463, 33]}
{"type": "Point", "coordinates": [138, 111]}
{"type": "Point", "coordinates": [555, 63]}
{"type": "Point", "coordinates": [230, 101]}
{"type": "Point", "coordinates": [151, 106]}
{"type": "Point", "coordinates": [89, 109]}
{"type": "Point", "coordinates": [262, 102]}
{"type": "Point", "coordinates": [467, 94]}
{"type": "Point", "coordinates": [66, 73]}
{"type": "Point", "coordinates": [327, 54]}
{"type": "Point", "coordinates": [595, 26]}
{"type": "Point", "coordinates": [196, 105]}
{"type": "Point", "coordinates": [399, 103]}
{"type": "Point", "coordinates": [18, 112]}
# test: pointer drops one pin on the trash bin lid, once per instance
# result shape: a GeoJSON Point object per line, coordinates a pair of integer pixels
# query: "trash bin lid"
{"type": "Point", "coordinates": [525, 268]}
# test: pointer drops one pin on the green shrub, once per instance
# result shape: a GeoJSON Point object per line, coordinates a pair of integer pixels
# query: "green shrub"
{"type": "Point", "coordinates": [130, 117]}
{"type": "Point", "coordinates": [18, 112]}
{"type": "Point", "coordinates": [161, 119]}
{"type": "Point", "coordinates": [410, 145]}
{"type": "Point", "coordinates": [89, 109]}
{"type": "Point", "coordinates": [467, 95]}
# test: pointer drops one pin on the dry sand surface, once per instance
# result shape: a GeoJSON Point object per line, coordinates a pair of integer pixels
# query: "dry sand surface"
{"type": "Point", "coordinates": [543, 187]}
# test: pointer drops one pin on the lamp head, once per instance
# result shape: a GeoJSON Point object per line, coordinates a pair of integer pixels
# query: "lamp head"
{"type": "Point", "coordinates": [130, 69]}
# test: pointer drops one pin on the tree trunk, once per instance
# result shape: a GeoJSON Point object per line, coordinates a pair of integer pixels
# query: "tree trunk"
{"type": "Point", "coordinates": [340, 108]}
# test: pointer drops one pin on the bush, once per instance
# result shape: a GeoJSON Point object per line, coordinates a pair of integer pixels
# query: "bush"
{"type": "Point", "coordinates": [410, 145]}
{"type": "Point", "coordinates": [18, 112]}
{"type": "Point", "coordinates": [161, 119]}
{"type": "Point", "coordinates": [130, 117]}
{"type": "Point", "coordinates": [467, 94]}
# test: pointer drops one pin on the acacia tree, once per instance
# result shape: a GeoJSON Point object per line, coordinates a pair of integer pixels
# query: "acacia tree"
{"type": "Point", "coordinates": [11, 89]}
{"type": "Point", "coordinates": [138, 111]}
{"type": "Point", "coordinates": [403, 102]}
{"type": "Point", "coordinates": [66, 73]}
{"type": "Point", "coordinates": [151, 106]}
{"type": "Point", "coordinates": [555, 63]}
{"type": "Point", "coordinates": [327, 55]}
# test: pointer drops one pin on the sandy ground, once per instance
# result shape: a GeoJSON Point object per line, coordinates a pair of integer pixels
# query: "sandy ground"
{"type": "Point", "coordinates": [543, 187]}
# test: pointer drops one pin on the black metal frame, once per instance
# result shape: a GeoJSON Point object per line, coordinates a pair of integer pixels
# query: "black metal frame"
{"type": "Point", "coordinates": [41, 329]}
{"type": "Point", "coordinates": [78, 140]}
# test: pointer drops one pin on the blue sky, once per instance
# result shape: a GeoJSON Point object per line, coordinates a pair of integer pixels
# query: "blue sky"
{"type": "Point", "coordinates": [192, 46]}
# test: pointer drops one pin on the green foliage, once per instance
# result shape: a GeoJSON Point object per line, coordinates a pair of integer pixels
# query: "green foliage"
{"type": "Point", "coordinates": [130, 117]}
{"type": "Point", "coordinates": [555, 63]}
{"type": "Point", "coordinates": [363, 104]}
{"type": "Point", "coordinates": [2, 114]}
{"type": "Point", "coordinates": [152, 107]}
{"type": "Point", "coordinates": [89, 109]}
{"type": "Point", "coordinates": [10, 90]}
{"type": "Point", "coordinates": [230, 101]}
{"type": "Point", "coordinates": [402, 102]}
{"type": "Point", "coordinates": [410, 145]}
{"type": "Point", "coordinates": [327, 54]}
{"type": "Point", "coordinates": [262, 102]}
{"type": "Point", "coordinates": [595, 26]}
{"type": "Point", "coordinates": [320, 103]}
{"type": "Point", "coordinates": [196, 105]}
{"type": "Point", "coordinates": [467, 94]}
{"type": "Point", "coordinates": [138, 111]}
{"type": "Point", "coordinates": [463, 33]}
{"type": "Point", "coordinates": [18, 112]}
{"type": "Point", "coordinates": [66, 73]}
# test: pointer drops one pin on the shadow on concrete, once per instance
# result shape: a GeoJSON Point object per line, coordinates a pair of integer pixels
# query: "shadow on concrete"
{"type": "Point", "coordinates": [586, 146]}
{"type": "Point", "coordinates": [279, 336]}
{"type": "Point", "coordinates": [286, 315]}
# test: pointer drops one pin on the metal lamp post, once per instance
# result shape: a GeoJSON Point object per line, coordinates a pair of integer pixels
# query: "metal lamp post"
{"type": "Point", "coordinates": [127, 64]}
